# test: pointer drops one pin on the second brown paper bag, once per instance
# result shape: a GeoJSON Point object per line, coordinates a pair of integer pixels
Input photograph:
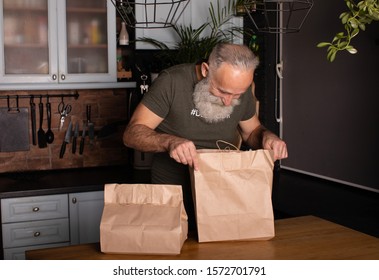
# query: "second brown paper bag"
{"type": "Point", "coordinates": [232, 195]}
{"type": "Point", "coordinates": [143, 219]}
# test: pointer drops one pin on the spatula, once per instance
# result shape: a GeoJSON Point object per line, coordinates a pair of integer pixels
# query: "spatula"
{"type": "Point", "coordinates": [41, 133]}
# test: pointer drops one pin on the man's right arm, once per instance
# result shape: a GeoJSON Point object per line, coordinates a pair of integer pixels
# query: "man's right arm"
{"type": "Point", "coordinates": [140, 135]}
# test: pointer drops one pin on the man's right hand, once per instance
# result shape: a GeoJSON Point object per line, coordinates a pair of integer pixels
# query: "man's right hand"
{"type": "Point", "coordinates": [183, 151]}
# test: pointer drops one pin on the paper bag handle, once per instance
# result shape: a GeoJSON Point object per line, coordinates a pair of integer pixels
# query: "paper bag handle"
{"type": "Point", "coordinates": [227, 143]}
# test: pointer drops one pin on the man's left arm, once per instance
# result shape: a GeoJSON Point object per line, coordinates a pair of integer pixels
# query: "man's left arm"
{"type": "Point", "coordinates": [255, 135]}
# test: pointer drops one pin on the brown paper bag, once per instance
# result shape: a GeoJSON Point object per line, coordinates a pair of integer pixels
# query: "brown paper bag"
{"type": "Point", "coordinates": [232, 195]}
{"type": "Point", "coordinates": [143, 219]}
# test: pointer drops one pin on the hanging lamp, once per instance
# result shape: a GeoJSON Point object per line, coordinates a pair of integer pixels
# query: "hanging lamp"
{"type": "Point", "coordinates": [278, 16]}
{"type": "Point", "coordinates": [150, 14]}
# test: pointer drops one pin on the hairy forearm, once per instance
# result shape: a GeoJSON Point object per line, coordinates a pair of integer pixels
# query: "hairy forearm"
{"type": "Point", "coordinates": [255, 139]}
{"type": "Point", "coordinates": [145, 139]}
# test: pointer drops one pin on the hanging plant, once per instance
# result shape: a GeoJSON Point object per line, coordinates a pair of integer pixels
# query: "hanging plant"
{"type": "Point", "coordinates": [354, 21]}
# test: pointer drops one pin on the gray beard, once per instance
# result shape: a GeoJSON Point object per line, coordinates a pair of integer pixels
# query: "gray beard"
{"type": "Point", "coordinates": [210, 107]}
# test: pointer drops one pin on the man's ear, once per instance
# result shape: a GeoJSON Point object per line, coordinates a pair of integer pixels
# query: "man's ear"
{"type": "Point", "coordinates": [204, 69]}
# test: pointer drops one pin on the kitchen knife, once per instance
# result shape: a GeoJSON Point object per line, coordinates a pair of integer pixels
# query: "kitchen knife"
{"type": "Point", "coordinates": [66, 140]}
{"type": "Point", "coordinates": [76, 134]}
{"type": "Point", "coordinates": [90, 124]}
{"type": "Point", "coordinates": [81, 148]}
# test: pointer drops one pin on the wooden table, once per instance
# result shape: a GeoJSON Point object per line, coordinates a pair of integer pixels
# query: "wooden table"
{"type": "Point", "coordinates": [301, 238]}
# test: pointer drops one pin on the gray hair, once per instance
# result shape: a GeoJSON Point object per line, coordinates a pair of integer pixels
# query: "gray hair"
{"type": "Point", "coordinates": [239, 56]}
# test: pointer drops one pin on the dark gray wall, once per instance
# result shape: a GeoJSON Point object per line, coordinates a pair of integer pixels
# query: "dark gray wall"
{"type": "Point", "coordinates": [330, 110]}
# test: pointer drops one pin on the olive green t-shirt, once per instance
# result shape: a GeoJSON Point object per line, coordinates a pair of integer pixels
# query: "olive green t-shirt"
{"type": "Point", "coordinates": [170, 97]}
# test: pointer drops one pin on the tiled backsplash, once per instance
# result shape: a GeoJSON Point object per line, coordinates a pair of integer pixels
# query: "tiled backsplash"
{"type": "Point", "coordinates": [107, 106]}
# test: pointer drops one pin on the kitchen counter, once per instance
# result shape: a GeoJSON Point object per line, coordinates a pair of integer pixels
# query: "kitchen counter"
{"type": "Point", "coordinates": [30, 183]}
{"type": "Point", "coordinates": [300, 238]}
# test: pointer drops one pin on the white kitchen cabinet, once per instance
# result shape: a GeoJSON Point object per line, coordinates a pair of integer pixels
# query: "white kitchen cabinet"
{"type": "Point", "coordinates": [57, 42]}
{"type": "Point", "coordinates": [86, 209]}
{"type": "Point", "coordinates": [196, 13]}
{"type": "Point", "coordinates": [32, 222]}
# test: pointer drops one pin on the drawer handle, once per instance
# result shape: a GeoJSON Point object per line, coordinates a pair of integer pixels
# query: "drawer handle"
{"type": "Point", "coordinates": [37, 233]}
{"type": "Point", "coordinates": [35, 209]}
{"type": "Point", "coordinates": [74, 200]}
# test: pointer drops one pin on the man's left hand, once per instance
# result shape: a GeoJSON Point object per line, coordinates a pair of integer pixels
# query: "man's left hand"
{"type": "Point", "coordinates": [274, 143]}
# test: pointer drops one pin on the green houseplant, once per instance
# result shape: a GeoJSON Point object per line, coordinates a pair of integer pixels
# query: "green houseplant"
{"type": "Point", "coordinates": [354, 20]}
{"type": "Point", "coordinates": [195, 44]}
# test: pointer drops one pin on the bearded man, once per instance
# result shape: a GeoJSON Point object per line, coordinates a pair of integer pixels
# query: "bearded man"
{"type": "Point", "coordinates": [190, 107]}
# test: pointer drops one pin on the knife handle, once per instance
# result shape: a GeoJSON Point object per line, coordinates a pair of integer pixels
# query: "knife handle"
{"type": "Point", "coordinates": [63, 149]}
{"type": "Point", "coordinates": [74, 145]}
{"type": "Point", "coordinates": [81, 148]}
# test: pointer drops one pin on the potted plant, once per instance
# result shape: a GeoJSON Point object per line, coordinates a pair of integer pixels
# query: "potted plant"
{"type": "Point", "coordinates": [354, 20]}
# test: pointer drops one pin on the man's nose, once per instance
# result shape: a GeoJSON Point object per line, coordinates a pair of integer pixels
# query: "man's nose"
{"type": "Point", "coordinates": [227, 100]}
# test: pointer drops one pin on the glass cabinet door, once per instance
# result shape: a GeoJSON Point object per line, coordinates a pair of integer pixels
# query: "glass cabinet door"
{"type": "Point", "coordinates": [87, 53]}
{"type": "Point", "coordinates": [57, 41]}
{"type": "Point", "coordinates": [25, 39]}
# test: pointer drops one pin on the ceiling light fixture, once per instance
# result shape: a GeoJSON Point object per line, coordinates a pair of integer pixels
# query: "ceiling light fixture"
{"type": "Point", "coordinates": [278, 16]}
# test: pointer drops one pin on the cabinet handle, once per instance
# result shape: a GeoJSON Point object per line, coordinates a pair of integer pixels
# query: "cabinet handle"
{"type": "Point", "coordinates": [35, 209]}
{"type": "Point", "coordinates": [74, 200]}
{"type": "Point", "coordinates": [63, 77]}
{"type": "Point", "coordinates": [54, 77]}
{"type": "Point", "coordinates": [37, 233]}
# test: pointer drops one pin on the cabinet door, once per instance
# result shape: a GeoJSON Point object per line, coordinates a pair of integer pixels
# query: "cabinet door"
{"type": "Point", "coordinates": [87, 41]}
{"type": "Point", "coordinates": [57, 41]}
{"type": "Point", "coordinates": [28, 43]}
{"type": "Point", "coordinates": [86, 209]}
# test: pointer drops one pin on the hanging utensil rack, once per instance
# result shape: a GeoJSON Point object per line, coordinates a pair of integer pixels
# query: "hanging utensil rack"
{"type": "Point", "coordinates": [17, 97]}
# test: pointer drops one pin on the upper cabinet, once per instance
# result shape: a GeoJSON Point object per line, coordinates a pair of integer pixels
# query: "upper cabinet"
{"type": "Point", "coordinates": [57, 41]}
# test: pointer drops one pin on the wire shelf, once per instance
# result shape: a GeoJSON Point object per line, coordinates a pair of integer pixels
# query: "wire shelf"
{"type": "Point", "coordinates": [149, 14]}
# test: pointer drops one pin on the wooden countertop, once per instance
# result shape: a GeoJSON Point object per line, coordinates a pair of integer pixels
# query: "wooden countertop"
{"type": "Point", "coordinates": [301, 238]}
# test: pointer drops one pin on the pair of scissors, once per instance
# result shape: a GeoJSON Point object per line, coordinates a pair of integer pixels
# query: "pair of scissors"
{"type": "Point", "coordinates": [63, 110]}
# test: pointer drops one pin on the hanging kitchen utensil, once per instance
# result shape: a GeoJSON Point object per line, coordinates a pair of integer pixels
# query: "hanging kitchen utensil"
{"type": "Point", "coordinates": [81, 148]}
{"type": "Point", "coordinates": [33, 120]}
{"type": "Point", "coordinates": [14, 127]}
{"type": "Point", "coordinates": [90, 124]}
{"type": "Point", "coordinates": [63, 110]}
{"type": "Point", "coordinates": [49, 133]}
{"type": "Point", "coordinates": [66, 140]}
{"type": "Point", "coordinates": [41, 133]}
{"type": "Point", "coordinates": [75, 137]}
